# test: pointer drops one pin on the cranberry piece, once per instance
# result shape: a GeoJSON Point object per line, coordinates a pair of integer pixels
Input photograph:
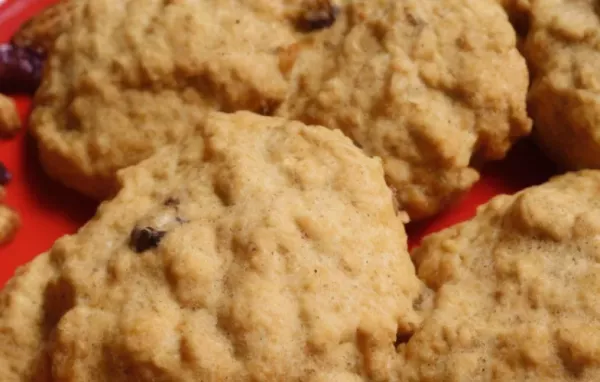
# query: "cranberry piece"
{"type": "Point", "coordinates": [5, 176]}
{"type": "Point", "coordinates": [143, 239]}
{"type": "Point", "coordinates": [20, 69]}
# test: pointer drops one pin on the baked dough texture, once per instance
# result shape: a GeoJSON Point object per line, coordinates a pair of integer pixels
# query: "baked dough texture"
{"type": "Point", "coordinates": [563, 50]}
{"type": "Point", "coordinates": [435, 88]}
{"type": "Point", "coordinates": [261, 250]}
{"type": "Point", "coordinates": [517, 290]}
{"type": "Point", "coordinates": [129, 77]}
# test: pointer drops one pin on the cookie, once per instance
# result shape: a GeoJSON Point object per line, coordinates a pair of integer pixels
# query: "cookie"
{"type": "Point", "coordinates": [410, 83]}
{"type": "Point", "coordinates": [10, 123]}
{"type": "Point", "coordinates": [126, 78]}
{"type": "Point", "coordinates": [563, 50]}
{"type": "Point", "coordinates": [516, 290]}
{"type": "Point", "coordinates": [259, 250]}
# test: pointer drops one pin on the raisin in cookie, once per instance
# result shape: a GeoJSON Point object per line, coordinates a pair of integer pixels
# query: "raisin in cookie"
{"type": "Point", "coordinates": [434, 88]}
{"type": "Point", "coordinates": [563, 49]}
{"type": "Point", "coordinates": [127, 77]}
{"type": "Point", "coordinates": [260, 250]}
{"type": "Point", "coordinates": [517, 290]}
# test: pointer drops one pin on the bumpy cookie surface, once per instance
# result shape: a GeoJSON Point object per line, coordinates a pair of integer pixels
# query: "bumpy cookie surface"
{"type": "Point", "coordinates": [432, 87]}
{"type": "Point", "coordinates": [263, 250]}
{"type": "Point", "coordinates": [517, 290]}
{"type": "Point", "coordinates": [563, 48]}
{"type": "Point", "coordinates": [127, 77]}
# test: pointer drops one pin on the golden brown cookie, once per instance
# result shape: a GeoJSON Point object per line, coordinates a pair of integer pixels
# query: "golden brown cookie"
{"type": "Point", "coordinates": [516, 290]}
{"type": "Point", "coordinates": [434, 88]}
{"type": "Point", "coordinates": [128, 77]}
{"type": "Point", "coordinates": [563, 50]}
{"type": "Point", "coordinates": [260, 250]}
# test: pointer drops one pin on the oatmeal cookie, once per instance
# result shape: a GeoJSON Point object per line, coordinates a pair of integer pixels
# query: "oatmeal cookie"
{"type": "Point", "coordinates": [517, 290]}
{"type": "Point", "coordinates": [128, 77]}
{"type": "Point", "coordinates": [260, 250]}
{"type": "Point", "coordinates": [563, 49]}
{"type": "Point", "coordinates": [434, 88]}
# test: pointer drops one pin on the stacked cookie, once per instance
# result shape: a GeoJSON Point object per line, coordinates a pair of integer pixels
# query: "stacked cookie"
{"type": "Point", "coordinates": [244, 247]}
{"type": "Point", "coordinates": [407, 82]}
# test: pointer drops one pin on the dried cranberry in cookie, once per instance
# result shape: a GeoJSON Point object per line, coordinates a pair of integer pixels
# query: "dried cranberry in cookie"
{"type": "Point", "coordinates": [20, 69]}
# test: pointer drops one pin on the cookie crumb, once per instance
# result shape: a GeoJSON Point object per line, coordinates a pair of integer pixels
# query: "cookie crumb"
{"type": "Point", "coordinates": [9, 224]}
{"type": "Point", "coordinates": [10, 123]}
{"type": "Point", "coordinates": [143, 239]}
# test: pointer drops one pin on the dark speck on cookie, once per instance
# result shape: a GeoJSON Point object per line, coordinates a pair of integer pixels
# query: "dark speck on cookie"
{"type": "Point", "coordinates": [318, 18]}
{"type": "Point", "coordinates": [171, 202]}
{"type": "Point", "coordinates": [143, 239]}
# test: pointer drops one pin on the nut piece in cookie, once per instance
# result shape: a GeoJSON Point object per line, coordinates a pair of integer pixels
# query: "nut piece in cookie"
{"type": "Point", "coordinates": [10, 123]}
{"type": "Point", "coordinates": [281, 258]}
{"type": "Point", "coordinates": [516, 290]}
{"type": "Point", "coordinates": [9, 222]}
{"type": "Point", "coordinates": [563, 50]}
{"type": "Point", "coordinates": [159, 66]}
{"type": "Point", "coordinates": [409, 83]}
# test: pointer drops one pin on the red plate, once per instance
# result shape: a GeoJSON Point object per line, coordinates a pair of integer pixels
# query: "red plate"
{"type": "Point", "coordinates": [48, 210]}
